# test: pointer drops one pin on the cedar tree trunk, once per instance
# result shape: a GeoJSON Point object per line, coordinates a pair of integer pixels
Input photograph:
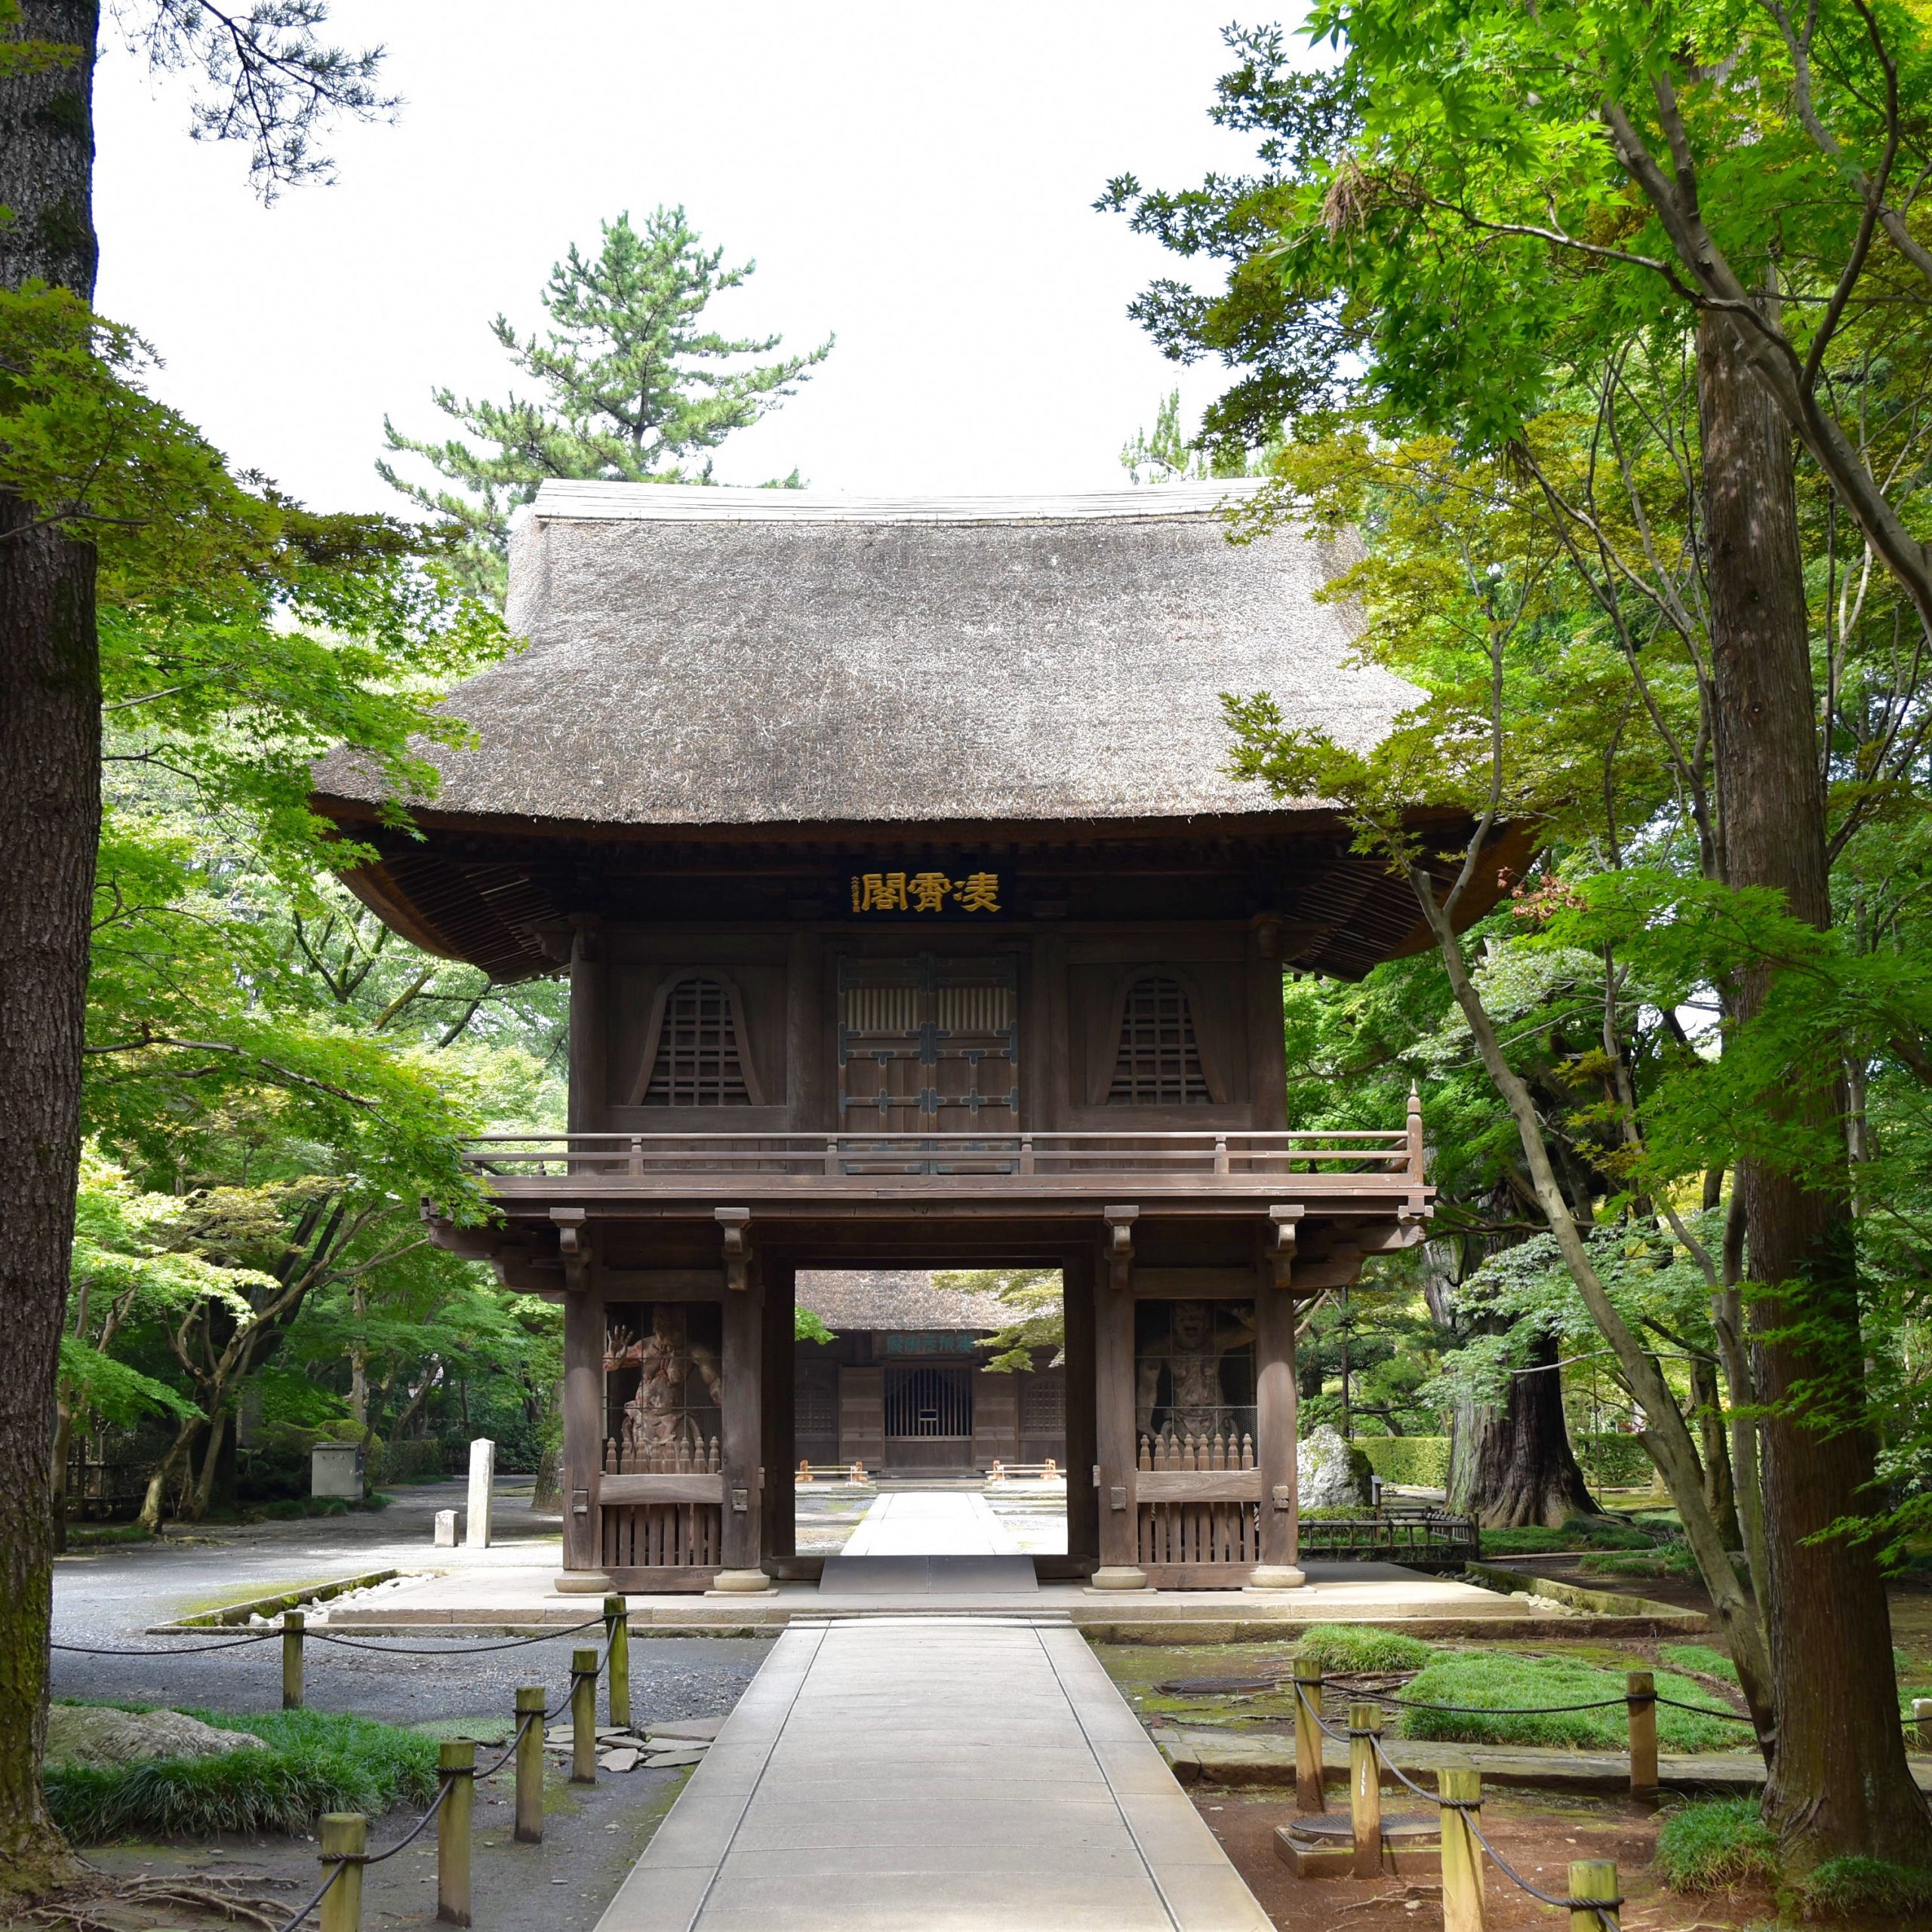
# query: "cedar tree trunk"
{"type": "Point", "coordinates": [50, 823]}
{"type": "Point", "coordinates": [1839, 1784]}
{"type": "Point", "coordinates": [1514, 1467]}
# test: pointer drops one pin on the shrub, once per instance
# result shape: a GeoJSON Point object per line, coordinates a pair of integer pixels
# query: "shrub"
{"type": "Point", "coordinates": [1492, 1682]}
{"type": "Point", "coordinates": [1608, 1456]}
{"type": "Point", "coordinates": [315, 1761]}
{"type": "Point", "coordinates": [1843, 1885]}
{"type": "Point", "coordinates": [1722, 1842]}
{"type": "Point", "coordinates": [1420, 1462]}
{"type": "Point", "coordinates": [1342, 1649]}
{"type": "Point", "coordinates": [423, 1458]}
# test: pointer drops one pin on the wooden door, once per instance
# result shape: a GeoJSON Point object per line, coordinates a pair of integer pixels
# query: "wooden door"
{"type": "Point", "coordinates": [928, 1416]}
{"type": "Point", "coordinates": [928, 1044]}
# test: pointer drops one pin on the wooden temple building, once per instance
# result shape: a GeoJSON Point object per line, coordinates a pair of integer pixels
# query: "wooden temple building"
{"type": "Point", "coordinates": [904, 1388]}
{"type": "Point", "coordinates": [912, 921]}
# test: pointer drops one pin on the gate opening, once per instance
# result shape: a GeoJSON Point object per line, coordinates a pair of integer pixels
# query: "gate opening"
{"type": "Point", "coordinates": [906, 1382]}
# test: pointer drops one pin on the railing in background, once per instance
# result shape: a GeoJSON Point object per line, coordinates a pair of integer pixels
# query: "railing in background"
{"type": "Point", "coordinates": [1203, 1154]}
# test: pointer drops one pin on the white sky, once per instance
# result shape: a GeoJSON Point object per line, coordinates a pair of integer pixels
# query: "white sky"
{"type": "Point", "coordinates": [917, 179]}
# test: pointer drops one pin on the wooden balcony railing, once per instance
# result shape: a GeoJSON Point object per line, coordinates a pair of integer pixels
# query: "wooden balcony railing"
{"type": "Point", "coordinates": [1210, 1157]}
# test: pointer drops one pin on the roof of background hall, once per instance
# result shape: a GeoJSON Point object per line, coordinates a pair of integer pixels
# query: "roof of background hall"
{"type": "Point", "coordinates": [725, 657]}
{"type": "Point", "coordinates": [850, 1301]}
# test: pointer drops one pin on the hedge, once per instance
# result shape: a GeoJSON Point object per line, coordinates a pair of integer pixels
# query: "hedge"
{"type": "Point", "coordinates": [1608, 1456]}
{"type": "Point", "coordinates": [1421, 1462]}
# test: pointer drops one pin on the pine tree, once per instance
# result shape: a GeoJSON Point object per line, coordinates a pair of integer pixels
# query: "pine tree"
{"type": "Point", "coordinates": [634, 389]}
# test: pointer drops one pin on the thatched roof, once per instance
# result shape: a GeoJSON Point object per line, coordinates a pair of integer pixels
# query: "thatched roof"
{"type": "Point", "coordinates": [720, 658]}
{"type": "Point", "coordinates": [851, 1302]}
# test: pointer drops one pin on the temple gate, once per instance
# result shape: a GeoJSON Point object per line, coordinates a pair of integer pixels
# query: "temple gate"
{"type": "Point", "coordinates": [912, 921]}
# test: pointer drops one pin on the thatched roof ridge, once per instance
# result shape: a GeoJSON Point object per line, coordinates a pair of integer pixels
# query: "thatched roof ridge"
{"type": "Point", "coordinates": [743, 658]}
{"type": "Point", "coordinates": [854, 1301]}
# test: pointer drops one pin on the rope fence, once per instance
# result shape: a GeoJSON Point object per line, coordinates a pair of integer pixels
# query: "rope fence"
{"type": "Point", "coordinates": [1593, 1900]}
{"type": "Point", "coordinates": [344, 1835]}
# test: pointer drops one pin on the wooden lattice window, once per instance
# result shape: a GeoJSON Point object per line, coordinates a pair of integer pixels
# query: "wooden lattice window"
{"type": "Point", "coordinates": [695, 1052]}
{"type": "Point", "coordinates": [1158, 1061]}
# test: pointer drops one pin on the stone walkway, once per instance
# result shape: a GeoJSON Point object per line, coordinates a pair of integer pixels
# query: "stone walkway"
{"type": "Point", "coordinates": [950, 1774]}
{"type": "Point", "coordinates": [929, 1522]}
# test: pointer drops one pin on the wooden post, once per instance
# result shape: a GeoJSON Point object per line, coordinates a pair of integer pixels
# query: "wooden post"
{"type": "Point", "coordinates": [743, 1405]}
{"type": "Point", "coordinates": [1083, 1519]}
{"type": "Point", "coordinates": [617, 1638]}
{"type": "Point", "coordinates": [1113, 1430]}
{"type": "Point", "coordinates": [1641, 1696]}
{"type": "Point", "coordinates": [1365, 1787]}
{"type": "Point", "coordinates": [588, 1049]}
{"type": "Point", "coordinates": [530, 1766]}
{"type": "Point", "coordinates": [455, 1765]}
{"type": "Point", "coordinates": [1593, 1879]}
{"type": "Point", "coordinates": [293, 1622]}
{"type": "Point", "coordinates": [778, 1504]}
{"type": "Point", "coordinates": [1463, 1909]}
{"type": "Point", "coordinates": [1274, 1410]}
{"type": "Point", "coordinates": [583, 1717]}
{"type": "Point", "coordinates": [345, 1834]}
{"type": "Point", "coordinates": [584, 1426]}
{"type": "Point", "coordinates": [1922, 1718]}
{"type": "Point", "coordinates": [1308, 1794]}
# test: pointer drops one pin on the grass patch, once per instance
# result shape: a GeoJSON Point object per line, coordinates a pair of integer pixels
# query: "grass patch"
{"type": "Point", "coordinates": [1674, 1561]}
{"type": "Point", "coordinates": [1842, 1885]}
{"type": "Point", "coordinates": [1344, 1649]}
{"type": "Point", "coordinates": [1712, 1846]}
{"type": "Point", "coordinates": [477, 1730]}
{"type": "Point", "coordinates": [1580, 1533]}
{"type": "Point", "coordinates": [315, 1761]}
{"type": "Point", "coordinates": [97, 1536]}
{"type": "Point", "coordinates": [1699, 1657]}
{"type": "Point", "coordinates": [1492, 1684]}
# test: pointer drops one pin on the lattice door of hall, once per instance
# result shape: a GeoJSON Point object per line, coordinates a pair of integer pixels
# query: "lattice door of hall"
{"type": "Point", "coordinates": [928, 1045]}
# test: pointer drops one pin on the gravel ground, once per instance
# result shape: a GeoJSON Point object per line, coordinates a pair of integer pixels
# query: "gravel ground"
{"type": "Point", "coordinates": [110, 1597]}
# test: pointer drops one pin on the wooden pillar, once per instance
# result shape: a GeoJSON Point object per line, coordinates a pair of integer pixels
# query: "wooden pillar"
{"type": "Point", "coordinates": [589, 1037]}
{"type": "Point", "coordinates": [1113, 1407]}
{"type": "Point", "coordinates": [743, 1449]}
{"type": "Point", "coordinates": [583, 1434]}
{"type": "Point", "coordinates": [1275, 1398]}
{"type": "Point", "coordinates": [778, 1524]}
{"type": "Point", "coordinates": [1083, 1514]}
{"type": "Point", "coordinates": [1267, 1046]}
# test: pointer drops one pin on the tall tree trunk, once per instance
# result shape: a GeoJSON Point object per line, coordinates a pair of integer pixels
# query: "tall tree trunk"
{"type": "Point", "coordinates": [202, 1493]}
{"type": "Point", "coordinates": [1839, 1785]}
{"type": "Point", "coordinates": [1720, 1488]}
{"type": "Point", "coordinates": [49, 825]}
{"type": "Point", "coordinates": [1525, 1474]}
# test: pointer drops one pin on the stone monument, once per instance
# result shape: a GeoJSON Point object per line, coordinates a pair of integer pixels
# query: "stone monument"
{"type": "Point", "coordinates": [482, 1484]}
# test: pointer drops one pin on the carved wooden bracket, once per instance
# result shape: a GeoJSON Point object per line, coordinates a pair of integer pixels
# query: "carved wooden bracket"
{"type": "Point", "coordinates": [735, 1223]}
{"type": "Point", "coordinates": [1120, 1244]}
{"type": "Point", "coordinates": [574, 1245]}
{"type": "Point", "coordinates": [1284, 1215]}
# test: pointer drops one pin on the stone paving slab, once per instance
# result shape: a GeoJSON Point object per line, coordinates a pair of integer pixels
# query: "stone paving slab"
{"type": "Point", "coordinates": [1427, 1607]}
{"type": "Point", "coordinates": [963, 1775]}
{"type": "Point", "coordinates": [930, 1523]}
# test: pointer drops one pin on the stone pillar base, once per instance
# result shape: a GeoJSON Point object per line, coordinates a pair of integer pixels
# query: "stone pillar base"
{"type": "Point", "coordinates": [1270, 1577]}
{"type": "Point", "coordinates": [742, 1583]}
{"type": "Point", "coordinates": [1117, 1577]}
{"type": "Point", "coordinates": [585, 1583]}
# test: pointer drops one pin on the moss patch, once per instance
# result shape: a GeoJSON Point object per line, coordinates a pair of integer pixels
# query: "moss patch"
{"type": "Point", "coordinates": [315, 1761]}
{"type": "Point", "coordinates": [1712, 1846]}
{"type": "Point", "coordinates": [1492, 1685]}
